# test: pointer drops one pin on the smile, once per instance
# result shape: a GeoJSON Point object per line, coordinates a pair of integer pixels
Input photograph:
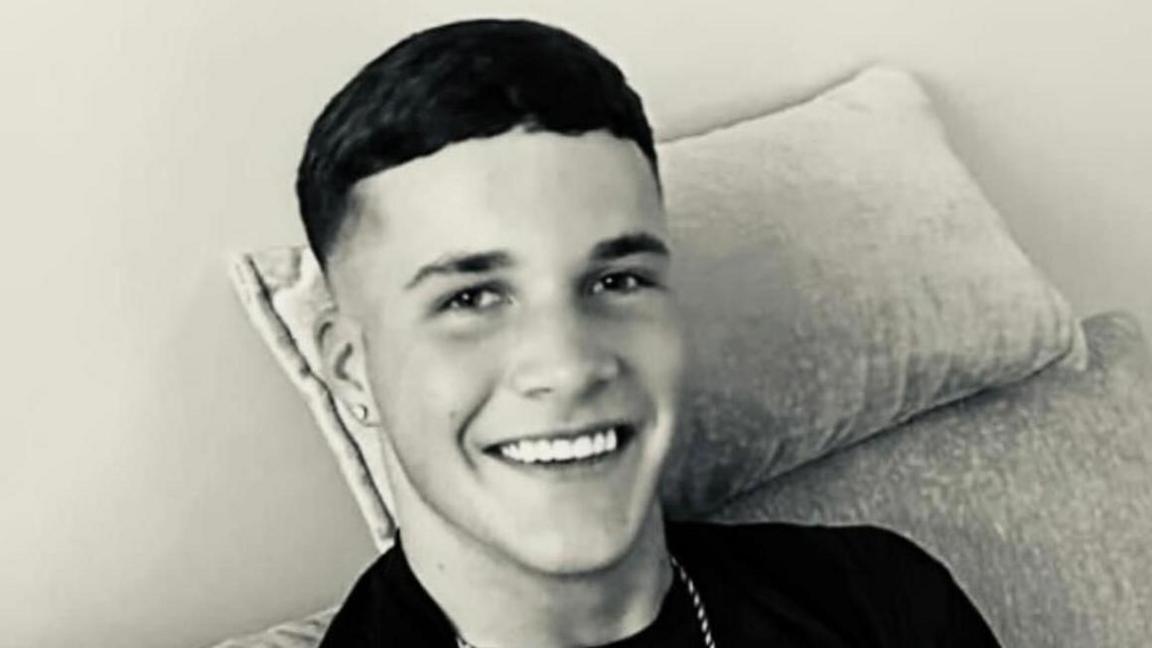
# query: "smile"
{"type": "Point", "coordinates": [586, 446]}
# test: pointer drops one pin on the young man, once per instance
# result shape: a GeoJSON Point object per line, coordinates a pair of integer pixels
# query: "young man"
{"type": "Point", "coordinates": [485, 200]}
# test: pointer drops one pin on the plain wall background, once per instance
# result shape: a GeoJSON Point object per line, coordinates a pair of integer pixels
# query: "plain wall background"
{"type": "Point", "coordinates": [160, 482]}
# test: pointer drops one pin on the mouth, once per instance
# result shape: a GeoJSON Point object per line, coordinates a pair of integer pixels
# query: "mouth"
{"type": "Point", "coordinates": [582, 447]}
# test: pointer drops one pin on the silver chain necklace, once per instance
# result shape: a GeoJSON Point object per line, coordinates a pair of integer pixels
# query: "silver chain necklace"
{"type": "Point", "coordinates": [697, 603]}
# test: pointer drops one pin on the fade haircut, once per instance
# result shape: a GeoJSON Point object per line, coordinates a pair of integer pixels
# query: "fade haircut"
{"type": "Point", "coordinates": [463, 80]}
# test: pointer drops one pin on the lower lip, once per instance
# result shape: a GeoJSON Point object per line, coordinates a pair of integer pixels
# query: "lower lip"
{"type": "Point", "coordinates": [573, 469]}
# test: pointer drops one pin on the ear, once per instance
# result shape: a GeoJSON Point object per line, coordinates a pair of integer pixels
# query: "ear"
{"type": "Point", "coordinates": [343, 354]}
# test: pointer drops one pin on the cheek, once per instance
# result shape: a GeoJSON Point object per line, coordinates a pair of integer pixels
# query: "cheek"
{"type": "Point", "coordinates": [654, 348]}
{"type": "Point", "coordinates": [438, 385]}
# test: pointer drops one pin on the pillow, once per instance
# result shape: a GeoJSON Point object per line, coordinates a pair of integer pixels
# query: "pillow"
{"type": "Point", "coordinates": [840, 270]}
{"type": "Point", "coordinates": [1038, 495]}
{"type": "Point", "coordinates": [298, 633]}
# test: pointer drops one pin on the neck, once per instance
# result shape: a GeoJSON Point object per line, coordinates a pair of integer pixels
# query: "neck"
{"type": "Point", "coordinates": [493, 601]}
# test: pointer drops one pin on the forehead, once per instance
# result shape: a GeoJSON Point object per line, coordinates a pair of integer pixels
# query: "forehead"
{"type": "Point", "coordinates": [538, 192]}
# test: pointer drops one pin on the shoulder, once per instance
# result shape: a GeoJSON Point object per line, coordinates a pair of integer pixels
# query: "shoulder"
{"type": "Point", "coordinates": [861, 556]}
{"type": "Point", "coordinates": [388, 607]}
{"type": "Point", "coordinates": [877, 577]}
{"type": "Point", "coordinates": [356, 621]}
{"type": "Point", "coordinates": [858, 545]}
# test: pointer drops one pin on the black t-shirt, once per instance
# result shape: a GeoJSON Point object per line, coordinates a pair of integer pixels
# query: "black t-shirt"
{"type": "Point", "coordinates": [778, 585]}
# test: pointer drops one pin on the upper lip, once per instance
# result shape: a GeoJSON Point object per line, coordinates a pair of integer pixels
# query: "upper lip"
{"type": "Point", "coordinates": [568, 431]}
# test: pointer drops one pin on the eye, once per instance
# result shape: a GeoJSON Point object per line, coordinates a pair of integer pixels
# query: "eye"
{"type": "Point", "coordinates": [479, 298]}
{"type": "Point", "coordinates": [624, 282]}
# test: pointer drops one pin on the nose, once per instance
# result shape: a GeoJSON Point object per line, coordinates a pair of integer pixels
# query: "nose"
{"type": "Point", "coordinates": [562, 356]}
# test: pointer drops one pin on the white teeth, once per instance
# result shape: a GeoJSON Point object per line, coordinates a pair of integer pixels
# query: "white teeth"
{"type": "Point", "coordinates": [598, 443]}
{"type": "Point", "coordinates": [545, 451]}
{"type": "Point", "coordinates": [582, 447]}
{"type": "Point", "coordinates": [562, 450]}
{"type": "Point", "coordinates": [511, 451]}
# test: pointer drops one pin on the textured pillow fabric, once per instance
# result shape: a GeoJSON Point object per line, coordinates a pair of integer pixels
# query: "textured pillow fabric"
{"type": "Point", "coordinates": [301, 633]}
{"type": "Point", "coordinates": [1037, 495]}
{"type": "Point", "coordinates": [840, 271]}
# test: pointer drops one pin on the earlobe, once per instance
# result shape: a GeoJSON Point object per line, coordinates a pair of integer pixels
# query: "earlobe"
{"type": "Point", "coordinates": [342, 351]}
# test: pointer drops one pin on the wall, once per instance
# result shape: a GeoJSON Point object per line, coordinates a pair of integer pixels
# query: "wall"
{"type": "Point", "coordinates": [160, 485]}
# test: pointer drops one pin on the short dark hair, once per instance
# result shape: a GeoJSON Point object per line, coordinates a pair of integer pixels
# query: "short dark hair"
{"type": "Point", "coordinates": [455, 82]}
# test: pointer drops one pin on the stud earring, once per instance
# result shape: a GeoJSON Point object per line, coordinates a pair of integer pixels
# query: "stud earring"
{"type": "Point", "coordinates": [360, 411]}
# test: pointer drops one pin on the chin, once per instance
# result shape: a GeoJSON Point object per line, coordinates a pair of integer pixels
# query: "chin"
{"type": "Point", "coordinates": [570, 556]}
{"type": "Point", "coordinates": [584, 546]}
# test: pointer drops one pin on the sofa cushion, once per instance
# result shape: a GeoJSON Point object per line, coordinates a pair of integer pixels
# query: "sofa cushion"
{"type": "Point", "coordinates": [1038, 495]}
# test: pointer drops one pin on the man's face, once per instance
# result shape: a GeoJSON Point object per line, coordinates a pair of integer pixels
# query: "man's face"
{"type": "Point", "coordinates": [520, 340]}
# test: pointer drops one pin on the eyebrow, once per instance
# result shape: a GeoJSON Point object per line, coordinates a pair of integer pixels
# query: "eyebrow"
{"type": "Point", "coordinates": [461, 263]}
{"type": "Point", "coordinates": [481, 262]}
{"type": "Point", "coordinates": [627, 245]}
